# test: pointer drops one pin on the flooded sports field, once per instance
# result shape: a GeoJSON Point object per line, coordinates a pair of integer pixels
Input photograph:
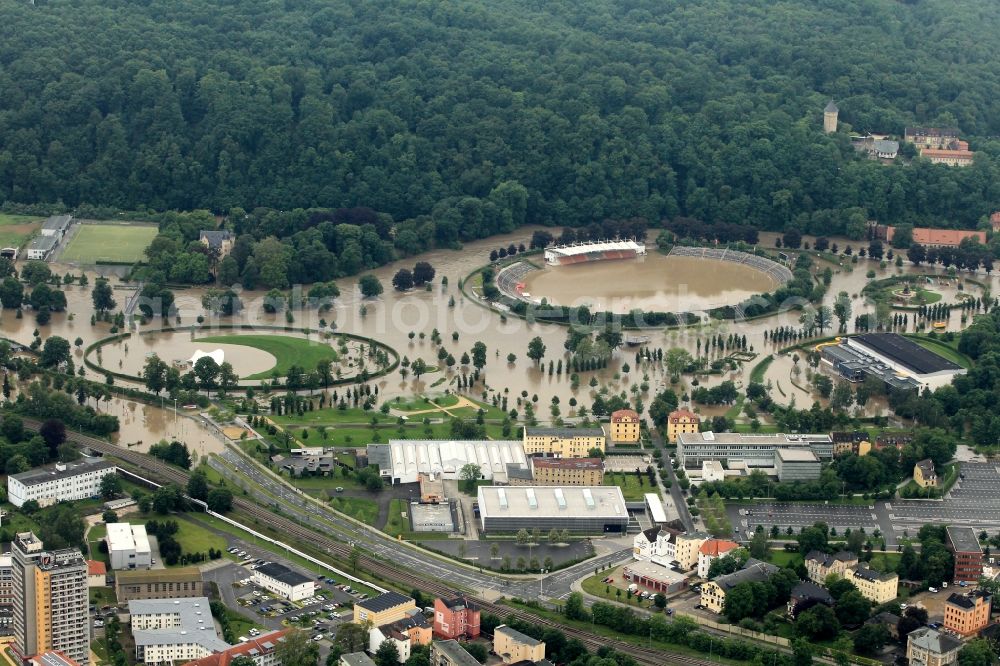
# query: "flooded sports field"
{"type": "Point", "coordinates": [654, 283]}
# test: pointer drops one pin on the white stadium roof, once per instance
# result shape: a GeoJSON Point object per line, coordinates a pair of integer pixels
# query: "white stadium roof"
{"type": "Point", "coordinates": [596, 246]}
{"type": "Point", "coordinates": [218, 356]}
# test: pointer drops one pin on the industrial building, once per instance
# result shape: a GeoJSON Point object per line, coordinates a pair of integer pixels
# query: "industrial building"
{"type": "Point", "coordinates": [563, 442]}
{"type": "Point", "coordinates": [283, 581]}
{"type": "Point", "coordinates": [796, 465]}
{"type": "Point", "coordinates": [61, 482]}
{"type": "Point", "coordinates": [128, 546]}
{"type": "Point", "coordinates": [50, 599]}
{"type": "Point", "coordinates": [173, 630]}
{"type": "Point", "coordinates": [755, 450]}
{"type": "Point", "coordinates": [581, 510]}
{"type": "Point", "coordinates": [655, 577]}
{"type": "Point", "coordinates": [905, 357]}
{"type": "Point", "coordinates": [403, 460]}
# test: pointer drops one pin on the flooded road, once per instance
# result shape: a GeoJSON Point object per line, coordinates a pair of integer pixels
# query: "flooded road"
{"type": "Point", "coordinates": [654, 283]}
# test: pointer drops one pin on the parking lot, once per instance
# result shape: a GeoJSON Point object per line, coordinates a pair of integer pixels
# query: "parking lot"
{"type": "Point", "coordinates": [973, 501]}
{"type": "Point", "coordinates": [745, 518]}
{"type": "Point", "coordinates": [626, 463]}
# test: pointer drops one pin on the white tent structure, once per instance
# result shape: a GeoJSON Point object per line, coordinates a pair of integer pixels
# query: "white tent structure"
{"type": "Point", "coordinates": [218, 356]}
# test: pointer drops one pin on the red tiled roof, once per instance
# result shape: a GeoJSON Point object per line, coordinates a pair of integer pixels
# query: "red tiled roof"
{"type": "Point", "coordinates": [243, 649]}
{"type": "Point", "coordinates": [680, 413]}
{"type": "Point", "coordinates": [623, 414]}
{"type": "Point", "coordinates": [716, 547]}
{"type": "Point", "coordinates": [96, 568]}
{"type": "Point", "coordinates": [945, 152]}
{"type": "Point", "coordinates": [945, 236]}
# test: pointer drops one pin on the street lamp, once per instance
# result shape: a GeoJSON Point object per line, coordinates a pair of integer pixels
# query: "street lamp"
{"type": "Point", "coordinates": [541, 581]}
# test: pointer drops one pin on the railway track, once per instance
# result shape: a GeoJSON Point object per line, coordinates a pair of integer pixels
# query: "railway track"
{"type": "Point", "coordinates": [381, 569]}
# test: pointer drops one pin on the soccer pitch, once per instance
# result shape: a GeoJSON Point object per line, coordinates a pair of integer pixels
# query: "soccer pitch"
{"type": "Point", "coordinates": [118, 243]}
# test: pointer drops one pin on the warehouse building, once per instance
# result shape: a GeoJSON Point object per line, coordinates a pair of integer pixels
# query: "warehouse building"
{"type": "Point", "coordinates": [796, 465]}
{"type": "Point", "coordinates": [128, 546]}
{"type": "Point", "coordinates": [581, 510]}
{"type": "Point", "coordinates": [754, 450]}
{"type": "Point", "coordinates": [404, 460]}
{"type": "Point", "coordinates": [61, 482]}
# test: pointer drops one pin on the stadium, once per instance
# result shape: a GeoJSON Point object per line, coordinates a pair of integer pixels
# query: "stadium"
{"type": "Point", "coordinates": [688, 279]}
{"type": "Point", "coordinates": [593, 251]}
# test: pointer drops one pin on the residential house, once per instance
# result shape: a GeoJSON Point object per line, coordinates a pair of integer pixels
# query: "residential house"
{"type": "Point", "coordinates": [930, 647]}
{"type": "Point", "coordinates": [219, 241]}
{"type": "Point", "coordinates": [451, 653]}
{"type": "Point", "coordinates": [263, 650]}
{"type": "Point", "coordinates": [873, 585]}
{"type": "Point", "coordinates": [711, 550]}
{"type": "Point", "coordinates": [819, 565]}
{"type": "Point", "coordinates": [930, 137]}
{"type": "Point", "coordinates": [805, 595]}
{"type": "Point", "coordinates": [924, 474]}
{"type": "Point", "coordinates": [713, 593]}
{"type": "Point", "coordinates": [644, 543]}
{"type": "Point", "coordinates": [681, 420]}
{"type": "Point", "coordinates": [967, 614]}
{"type": "Point", "coordinates": [406, 633]}
{"type": "Point", "coordinates": [624, 426]}
{"type": "Point", "coordinates": [512, 646]}
{"type": "Point", "coordinates": [455, 618]}
{"type": "Point", "coordinates": [887, 620]}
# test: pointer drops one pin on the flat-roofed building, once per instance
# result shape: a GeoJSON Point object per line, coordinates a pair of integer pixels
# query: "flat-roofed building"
{"type": "Point", "coordinates": [170, 630]}
{"type": "Point", "coordinates": [356, 659]}
{"type": "Point", "coordinates": [796, 465]}
{"type": "Point", "coordinates": [682, 421]}
{"type": "Point", "coordinates": [61, 482]}
{"type": "Point", "coordinates": [655, 577]}
{"type": "Point", "coordinates": [51, 658]}
{"type": "Point", "coordinates": [873, 585]}
{"type": "Point", "coordinates": [6, 581]}
{"type": "Point", "coordinates": [908, 358]}
{"type": "Point", "coordinates": [755, 450]}
{"type": "Point", "coordinates": [712, 470]}
{"type": "Point", "coordinates": [128, 546]}
{"type": "Point", "coordinates": [383, 609]}
{"type": "Point", "coordinates": [654, 507]}
{"type": "Point", "coordinates": [964, 545]}
{"type": "Point", "coordinates": [451, 653]}
{"type": "Point", "coordinates": [283, 581]}
{"type": "Point", "coordinates": [403, 460]}
{"type": "Point", "coordinates": [967, 614]}
{"type": "Point", "coordinates": [159, 584]}
{"type": "Point", "coordinates": [624, 426]}
{"type": "Point", "coordinates": [513, 646]}
{"type": "Point", "coordinates": [579, 509]}
{"type": "Point", "coordinates": [563, 442]}
{"type": "Point", "coordinates": [431, 488]}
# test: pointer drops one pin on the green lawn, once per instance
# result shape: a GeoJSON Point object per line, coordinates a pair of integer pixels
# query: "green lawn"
{"type": "Point", "coordinates": [15, 229]}
{"type": "Point", "coordinates": [333, 415]}
{"type": "Point", "coordinates": [365, 510]}
{"type": "Point", "coordinates": [759, 370]}
{"type": "Point", "coordinates": [287, 351]}
{"type": "Point", "coordinates": [421, 403]}
{"type": "Point", "coordinates": [629, 483]}
{"type": "Point", "coordinates": [102, 596]}
{"type": "Point", "coordinates": [942, 349]}
{"type": "Point", "coordinates": [396, 524]}
{"type": "Point", "coordinates": [196, 539]}
{"type": "Point", "coordinates": [94, 538]}
{"type": "Point", "coordinates": [122, 243]}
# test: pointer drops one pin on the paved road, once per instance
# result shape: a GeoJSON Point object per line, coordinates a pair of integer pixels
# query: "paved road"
{"type": "Point", "coordinates": [680, 504]}
{"type": "Point", "coordinates": [277, 494]}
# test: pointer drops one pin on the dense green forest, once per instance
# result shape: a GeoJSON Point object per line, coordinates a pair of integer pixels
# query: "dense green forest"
{"type": "Point", "coordinates": [457, 120]}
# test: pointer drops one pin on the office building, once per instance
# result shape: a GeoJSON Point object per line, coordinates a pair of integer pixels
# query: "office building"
{"type": "Point", "coordinates": [404, 460]}
{"type": "Point", "coordinates": [713, 593]}
{"type": "Point", "coordinates": [455, 618]}
{"type": "Point", "coordinates": [128, 546]}
{"type": "Point", "coordinates": [930, 647]}
{"type": "Point", "coordinates": [873, 585]}
{"type": "Point", "coordinates": [159, 584]}
{"type": "Point", "coordinates": [512, 646]}
{"type": "Point", "coordinates": [819, 565]}
{"type": "Point", "coordinates": [754, 450]}
{"type": "Point", "coordinates": [964, 545]}
{"type": "Point", "coordinates": [262, 650]}
{"type": "Point", "coordinates": [796, 465]}
{"type": "Point", "coordinates": [383, 609]}
{"type": "Point", "coordinates": [563, 442]}
{"type": "Point", "coordinates": [283, 581]}
{"type": "Point", "coordinates": [451, 653]}
{"type": "Point", "coordinates": [579, 509]}
{"type": "Point", "coordinates": [560, 472]}
{"type": "Point", "coordinates": [924, 473]}
{"type": "Point", "coordinates": [50, 599]}
{"type": "Point", "coordinates": [682, 421]}
{"type": "Point", "coordinates": [967, 614]}
{"type": "Point", "coordinates": [60, 482]}
{"type": "Point", "coordinates": [624, 427]}
{"type": "Point", "coordinates": [168, 630]}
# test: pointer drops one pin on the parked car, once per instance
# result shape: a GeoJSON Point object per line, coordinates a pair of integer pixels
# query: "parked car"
{"type": "Point", "coordinates": [932, 590]}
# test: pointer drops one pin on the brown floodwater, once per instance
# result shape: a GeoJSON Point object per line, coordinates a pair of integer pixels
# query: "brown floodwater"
{"type": "Point", "coordinates": [654, 283]}
{"type": "Point", "coordinates": [393, 315]}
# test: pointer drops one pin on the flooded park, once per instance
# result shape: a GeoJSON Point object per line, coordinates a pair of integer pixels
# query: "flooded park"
{"type": "Point", "coordinates": [405, 322]}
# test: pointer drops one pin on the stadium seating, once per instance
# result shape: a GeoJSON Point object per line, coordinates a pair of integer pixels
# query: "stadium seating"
{"type": "Point", "coordinates": [771, 268]}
